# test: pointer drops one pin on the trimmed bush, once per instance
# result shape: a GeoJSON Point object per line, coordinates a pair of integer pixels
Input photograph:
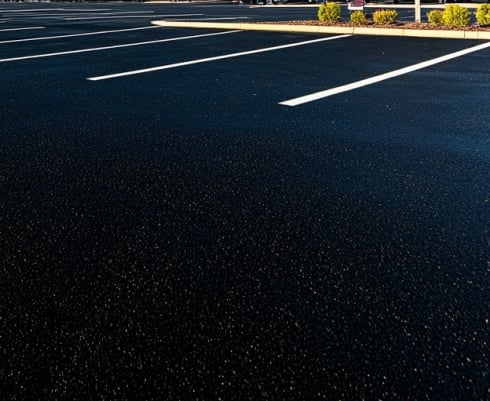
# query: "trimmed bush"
{"type": "Point", "coordinates": [435, 17]}
{"type": "Point", "coordinates": [329, 12]}
{"type": "Point", "coordinates": [455, 15]}
{"type": "Point", "coordinates": [358, 17]}
{"type": "Point", "coordinates": [483, 14]}
{"type": "Point", "coordinates": [384, 17]}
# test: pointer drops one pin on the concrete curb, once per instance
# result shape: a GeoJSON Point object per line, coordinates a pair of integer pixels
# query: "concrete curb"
{"type": "Point", "coordinates": [247, 26]}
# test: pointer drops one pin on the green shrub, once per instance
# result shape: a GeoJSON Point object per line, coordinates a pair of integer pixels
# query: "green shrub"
{"type": "Point", "coordinates": [329, 12]}
{"type": "Point", "coordinates": [383, 17]}
{"type": "Point", "coordinates": [483, 14]}
{"type": "Point", "coordinates": [455, 15]}
{"type": "Point", "coordinates": [358, 17]}
{"type": "Point", "coordinates": [435, 17]}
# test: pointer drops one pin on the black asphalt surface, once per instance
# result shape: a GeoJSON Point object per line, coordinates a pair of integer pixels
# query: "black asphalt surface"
{"type": "Point", "coordinates": [179, 235]}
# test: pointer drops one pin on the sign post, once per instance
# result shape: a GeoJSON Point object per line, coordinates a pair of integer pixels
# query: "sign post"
{"type": "Point", "coordinates": [417, 11]}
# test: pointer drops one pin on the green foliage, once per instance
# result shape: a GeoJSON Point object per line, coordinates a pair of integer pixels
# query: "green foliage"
{"type": "Point", "coordinates": [435, 17]}
{"type": "Point", "coordinates": [358, 17]}
{"type": "Point", "coordinates": [383, 17]}
{"type": "Point", "coordinates": [329, 12]}
{"type": "Point", "coordinates": [455, 15]}
{"type": "Point", "coordinates": [483, 14]}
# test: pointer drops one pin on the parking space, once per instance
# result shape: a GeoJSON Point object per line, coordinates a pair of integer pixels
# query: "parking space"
{"type": "Point", "coordinates": [71, 38]}
{"type": "Point", "coordinates": [178, 221]}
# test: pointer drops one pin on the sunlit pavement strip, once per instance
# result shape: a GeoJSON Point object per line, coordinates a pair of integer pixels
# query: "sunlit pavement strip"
{"type": "Point", "coordinates": [94, 49]}
{"type": "Point", "coordinates": [76, 34]}
{"type": "Point", "coordinates": [215, 19]}
{"type": "Point", "coordinates": [378, 78]}
{"type": "Point", "coordinates": [208, 59]}
{"type": "Point", "coordinates": [23, 29]}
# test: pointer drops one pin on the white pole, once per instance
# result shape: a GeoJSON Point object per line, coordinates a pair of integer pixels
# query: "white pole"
{"type": "Point", "coordinates": [417, 11]}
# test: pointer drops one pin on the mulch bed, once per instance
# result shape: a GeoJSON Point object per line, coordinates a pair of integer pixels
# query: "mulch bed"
{"type": "Point", "coordinates": [403, 25]}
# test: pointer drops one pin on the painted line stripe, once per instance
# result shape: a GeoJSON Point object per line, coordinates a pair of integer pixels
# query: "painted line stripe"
{"type": "Point", "coordinates": [124, 12]}
{"type": "Point", "coordinates": [88, 10]}
{"type": "Point", "coordinates": [77, 34]}
{"type": "Point", "coordinates": [32, 9]}
{"type": "Point", "coordinates": [94, 49]}
{"type": "Point", "coordinates": [74, 15]}
{"type": "Point", "coordinates": [382, 77]}
{"type": "Point", "coordinates": [72, 11]}
{"type": "Point", "coordinates": [132, 16]}
{"type": "Point", "coordinates": [22, 29]}
{"type": "Point", "coordinates": [208, 59]}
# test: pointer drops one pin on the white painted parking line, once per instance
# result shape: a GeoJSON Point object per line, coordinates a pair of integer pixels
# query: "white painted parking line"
{"type": "Point", "coordinates": [127, 12]}
{"type": "Point", "coordinates": [88, 10]}
{"type": "Point", "coordinates": [73, 10]}
{"type": "Point", "coordinates": [23, 29]}
{"type": "Point", "coordinates": [76, 16]}
{"type": "Point", "coordinates": [32, 9]}
{"type": "Point", "coordinates": [132, 16]}
{"type": "Point", "coordinates": [94, 49]}
{"type": "Point", "coordinates": [382, 77]}
{"type": "Point", "coordinates": [208, 59]}
{"type": "Point", "coordinates": [73, 35]}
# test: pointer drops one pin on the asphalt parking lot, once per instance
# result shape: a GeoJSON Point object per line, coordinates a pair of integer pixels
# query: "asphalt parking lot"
{"type": "Point", "coordinates": [173, 226]}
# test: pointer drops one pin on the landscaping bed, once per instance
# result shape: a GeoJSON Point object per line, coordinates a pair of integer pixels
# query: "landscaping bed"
{"type": "Point", "coordinates": [398, 25]}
